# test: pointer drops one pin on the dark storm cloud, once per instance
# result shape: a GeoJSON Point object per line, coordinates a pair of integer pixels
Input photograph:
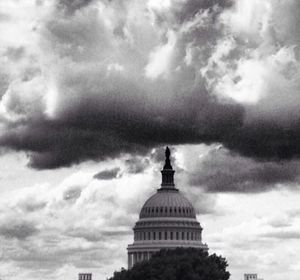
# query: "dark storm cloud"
{"type": "Point", "coordinates": [117, 129]}
{"type": "Point", "coordinates": [108, 174]}
{"type": "Point", "coordinates": [223, 171]}
{"type": "Point", "coordinates": [266, 141]}
{"type": "Point", "coordinates": [103, 114]}
{"type": "Point", "coordinates": [19, 230]}
{"type": "Point", "coordinates": [114, 94]}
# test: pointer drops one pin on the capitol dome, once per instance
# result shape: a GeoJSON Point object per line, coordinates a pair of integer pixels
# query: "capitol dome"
{"type": "Point", "coordinates": [167, 220]}
{"type": "Point", "coordinates": [167, 203]}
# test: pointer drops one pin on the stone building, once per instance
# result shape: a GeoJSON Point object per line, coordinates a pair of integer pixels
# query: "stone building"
{"type": "Point", "coordinates": [167, 220]}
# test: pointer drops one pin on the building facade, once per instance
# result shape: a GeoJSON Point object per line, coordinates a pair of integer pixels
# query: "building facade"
{"type": "Point", "coordinates": [251, 276]}
{"type": "Point", "coordinates": [167, 220]}
{"type": "Point", "coordinates": [85, 276]}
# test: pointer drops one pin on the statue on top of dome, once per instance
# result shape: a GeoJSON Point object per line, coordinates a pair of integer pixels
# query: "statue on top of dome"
{"type": "Point", "coordinates": [167, 162]}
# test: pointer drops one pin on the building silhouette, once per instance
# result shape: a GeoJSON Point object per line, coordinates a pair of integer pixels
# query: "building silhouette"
{"type": "Point", "coordinates": [167, 220]}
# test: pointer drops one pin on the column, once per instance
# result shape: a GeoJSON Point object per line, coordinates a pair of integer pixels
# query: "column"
{"type": "Point", "coordinates": [134, 259]}
{"type": "Point", "coordinates": [129, 260]}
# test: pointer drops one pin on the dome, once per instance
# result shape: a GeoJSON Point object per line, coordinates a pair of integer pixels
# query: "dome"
{"type": "Point", "coordinates": [167, 220]}
{"type": "Point", "coordinates": [167, 203]}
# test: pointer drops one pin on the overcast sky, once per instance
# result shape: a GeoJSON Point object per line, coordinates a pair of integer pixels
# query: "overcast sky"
{"type": "Point", "coordinates": [91, 93]}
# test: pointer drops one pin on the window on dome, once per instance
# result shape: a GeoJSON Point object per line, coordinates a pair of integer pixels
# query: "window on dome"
{"type": "Point", "coordinates": [166, 235]}
{"type": "Point", "coordinates": [183, 210]}
{"type": "Point", "coordinates": [171, 235]}
{"type": "Point", "coordinates": [153, 210]}
{"type": "Point", "coordinates": [182, 235]}
{"type": "Point", "coordinates": [154, 235]}
{"type": "Point", "coordinates": [188, 236]}
{"type": "Point", "coordinates": [192, 236]}
{"type": "Point", "coordinates": [156, 209]}
{"type": "Point", "coordinates": [161, 209]}
{"type": "Point", "coordinates": [166, 209]}
{"type": "Point", "coordinates": [170, 209]}
{"type": "Point", "coordinates": [177, 235]}
{"type": "Point", "coordinates": [179, 210]}
{"type": "Point", "coordinates": [144, 236]}
{"type": "Point", "coordinates": [149, 235]}
{"type": "Point", "coordinates": [159, 235]}
{"type": "Point", "coordinates": [175, 210]}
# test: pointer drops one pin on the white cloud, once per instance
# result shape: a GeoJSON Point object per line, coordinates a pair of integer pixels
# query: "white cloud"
{"type": "Point", "coordinates": [81, 224]}
{"type": "Point", "coordinates": [241, 234]}
{"type": "Point", "coordinates": [160, 59]}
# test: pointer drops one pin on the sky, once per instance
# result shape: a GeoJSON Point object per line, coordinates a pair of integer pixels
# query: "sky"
{"type": "Point", "coordinates": [91, 92]}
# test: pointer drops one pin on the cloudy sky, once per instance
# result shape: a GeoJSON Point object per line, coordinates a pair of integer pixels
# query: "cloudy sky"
{"type": "Point", "coordinates": [91, 93]}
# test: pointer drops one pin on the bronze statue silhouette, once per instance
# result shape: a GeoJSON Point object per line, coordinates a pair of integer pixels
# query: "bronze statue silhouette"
{"type": "Point", "coordinates": [168, 161]}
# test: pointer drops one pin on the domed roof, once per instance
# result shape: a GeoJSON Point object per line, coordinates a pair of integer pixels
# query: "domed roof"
{"type": "Point", "coordinates": [167, 203]}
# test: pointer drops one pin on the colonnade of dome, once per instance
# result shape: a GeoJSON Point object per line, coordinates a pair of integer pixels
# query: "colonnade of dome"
{"type": "Point", "coordinates": [167, 220]}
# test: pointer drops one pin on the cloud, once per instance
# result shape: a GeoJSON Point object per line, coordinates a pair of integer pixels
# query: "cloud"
{"type": "Point", "coordinates": [246, 225]}
{"type": "Point", "coordinates": [72, 193]}
{"type": "Point", "coordinates": [83, 221]}
{"type": "Point", "coordinates": [87, 108]}
{"type": "Point", "coordinates": [219, 170]}
{"type": "Point", "coordinates": [108, 174]}
{"type": "Point", "coordinates": [135, 165]}
{"type": "Point", "coordinates": [4, 17]}
{"type": "Point", "coordinates": [18, 229]}
{"type": "Point", "coordinates": [95, 83]}
{"type": "Point", "coordinates": [71, 6]}
{"type": "Point", "coordinates": [282, 235]}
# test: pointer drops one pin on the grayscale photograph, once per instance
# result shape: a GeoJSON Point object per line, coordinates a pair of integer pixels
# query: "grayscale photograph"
{"type": "Point", "coordinates": [149, 139]}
